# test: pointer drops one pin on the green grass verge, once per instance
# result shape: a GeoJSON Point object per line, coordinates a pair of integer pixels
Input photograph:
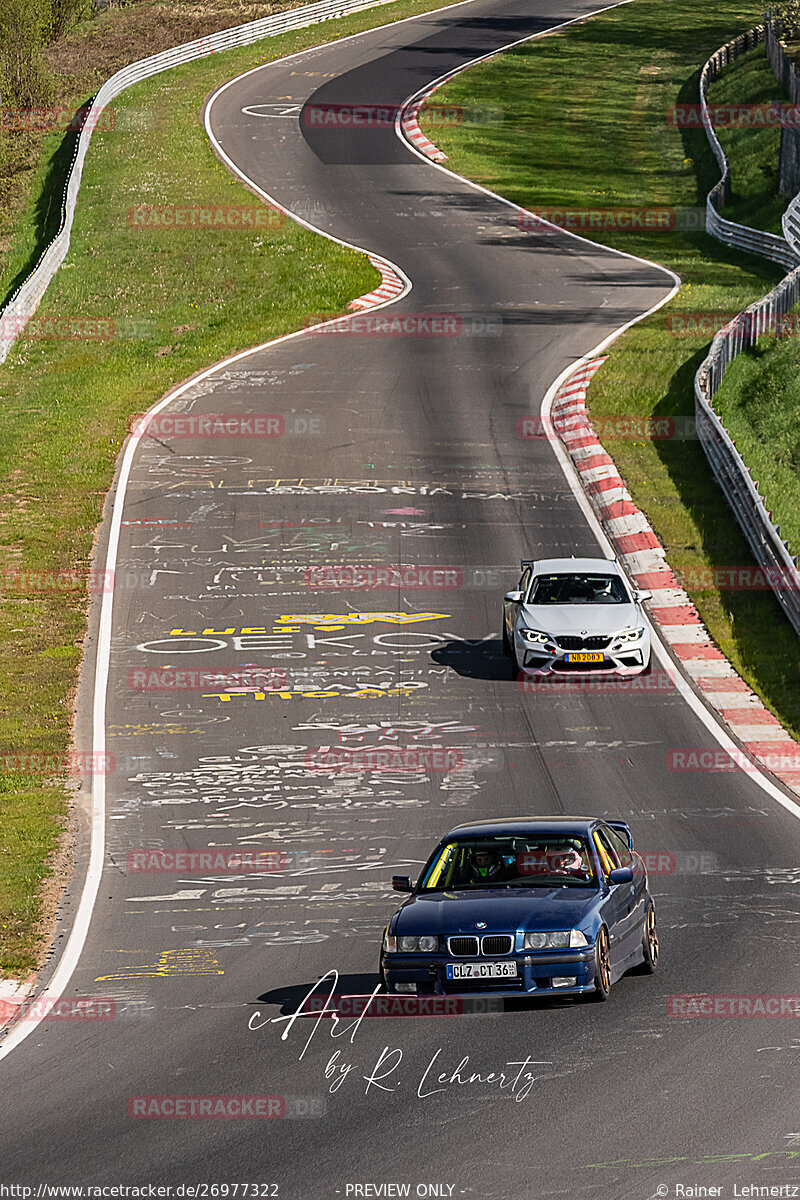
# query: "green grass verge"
{"type": "Point", "coordinates": [759, 402]}
{"type": "Point", "coordinates": [585, 126]}
{"type": "Point", "coordinates": [197, 297]}
{"type": "Point", "coordinates": [753, 153]}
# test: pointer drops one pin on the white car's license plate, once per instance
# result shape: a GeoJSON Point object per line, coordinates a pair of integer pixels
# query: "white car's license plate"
{"type": "Point", "coordinates": [583, 657]}
{"type": "Point", "coordinates": [482, 970]}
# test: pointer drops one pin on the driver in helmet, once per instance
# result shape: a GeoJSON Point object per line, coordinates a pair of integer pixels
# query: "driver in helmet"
{"type": "Point", "coordinates": [565, 860]}
{"type": "Point", "coordinates": [487, 866]}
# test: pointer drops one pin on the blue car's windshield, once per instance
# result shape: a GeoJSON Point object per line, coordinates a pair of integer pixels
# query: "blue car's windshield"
{"type": "Point", "coordinates": [543, 860]}
{"type": "Point", "coordinates": [578, 589]}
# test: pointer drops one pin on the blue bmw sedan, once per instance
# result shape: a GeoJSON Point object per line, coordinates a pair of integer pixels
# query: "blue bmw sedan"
{"type": "Point", "coordinates": [515, 907]}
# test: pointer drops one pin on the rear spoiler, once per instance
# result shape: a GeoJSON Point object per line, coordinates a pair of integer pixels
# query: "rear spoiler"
{"type": "Point", "coordinates": [622, 828]}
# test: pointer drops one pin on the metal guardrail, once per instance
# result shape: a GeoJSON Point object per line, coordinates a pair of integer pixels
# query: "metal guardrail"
{"type": "Point", "coordinates": [791, 224]}
{"type": "Point", "coordinates": [26, 299]}
{"type": "Point", "coordinates": [765, 316]}
{"type": "Point", "coordinates": [754, 241]}
{"type": "Point", "coordinates": [783, 68]}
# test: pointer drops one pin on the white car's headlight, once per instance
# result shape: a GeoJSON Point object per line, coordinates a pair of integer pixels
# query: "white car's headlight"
{"type": "Point", "coordinates": [535, 635]}
{"type": "Point", "coordinates": [426, 944]}
{"type": "Point", "coordinates": [629, 635]}
{"type": "Point", "coordinates": [561, 939]}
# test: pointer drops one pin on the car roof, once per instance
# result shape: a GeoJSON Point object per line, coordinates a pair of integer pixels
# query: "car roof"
{"type": "Point", "coordinates": [523, 825]}
{"type": "Point", "coordinates": [561, 565]}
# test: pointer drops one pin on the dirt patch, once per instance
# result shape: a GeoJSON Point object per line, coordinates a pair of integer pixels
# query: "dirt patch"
{"type": "Point", "coordinates": [85, 58]}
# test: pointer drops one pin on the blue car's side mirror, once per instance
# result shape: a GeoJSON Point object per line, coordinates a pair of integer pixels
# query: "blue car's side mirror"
{"type": "Point", "coordinates": [402, 883]}
{"type": "Point", "coordinates": [621, 875]}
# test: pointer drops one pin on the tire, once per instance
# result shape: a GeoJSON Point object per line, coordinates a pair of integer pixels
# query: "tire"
{"type": "Point", "coordinates": [382, 975]}
{"type": "Point", "coordinates": [516, 670]}
{"type": "Point", "coordinates": [602, 967]}
{"type": "Point", "coordinates": [506, 643]}
{"type": "Point", "coordinates": [649, 943]}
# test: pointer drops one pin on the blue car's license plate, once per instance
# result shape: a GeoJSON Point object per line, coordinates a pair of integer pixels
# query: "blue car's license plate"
{"type": "Point", "coordinates": [482, 970]}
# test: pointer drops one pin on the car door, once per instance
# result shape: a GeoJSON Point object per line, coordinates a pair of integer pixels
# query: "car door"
{"type": "Point", "coordinates": [511, 607]}
{"type": "Point", "coordinates": [632, 895]}
{"type": "Point", "coordinates": [615, 907]}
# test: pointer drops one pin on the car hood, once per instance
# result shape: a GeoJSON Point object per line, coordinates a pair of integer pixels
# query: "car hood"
{"type": "Point", "coordinates": [596, 619]}
{"type": "Point", "coordinates": [503, 910]}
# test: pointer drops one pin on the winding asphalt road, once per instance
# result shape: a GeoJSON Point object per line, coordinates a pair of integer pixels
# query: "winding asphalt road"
{"type": "Point", "coordinates": [398, 450]}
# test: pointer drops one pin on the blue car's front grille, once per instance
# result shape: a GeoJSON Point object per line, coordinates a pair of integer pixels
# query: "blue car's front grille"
{"type": "Point", "coordinates": [469, 947]}
{"type": "Point", "coordinates": [501, 943]}
{"type": "Point", "coordinates": [465, 947]}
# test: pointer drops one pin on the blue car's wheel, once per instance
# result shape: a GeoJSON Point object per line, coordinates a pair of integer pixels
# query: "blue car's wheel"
{"type": "Point", "coordinates": [650, 942]}
{"type": "Point", "coordinates": [602, 967]}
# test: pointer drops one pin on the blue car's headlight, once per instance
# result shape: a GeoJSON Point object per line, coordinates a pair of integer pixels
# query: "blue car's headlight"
{"type": "Point", "coordinates": [561, 939]}
{"type": "Point", "coordinates": [412, 945]}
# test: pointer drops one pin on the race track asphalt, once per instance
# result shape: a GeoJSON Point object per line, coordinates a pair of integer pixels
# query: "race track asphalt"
{"type": "Point", "coordinates": [397, 450]}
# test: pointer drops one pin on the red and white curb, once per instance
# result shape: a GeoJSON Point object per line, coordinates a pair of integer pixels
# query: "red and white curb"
{"type": "Point", "coordinates": [643, 556]}
{"type": "Point", "coordinates": [390, 287]}
{"type": "Point", "coordinates": [410, 125]}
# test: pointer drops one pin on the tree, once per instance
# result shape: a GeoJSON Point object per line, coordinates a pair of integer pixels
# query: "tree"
{"type": "Point", "coordinates": [788, 14]}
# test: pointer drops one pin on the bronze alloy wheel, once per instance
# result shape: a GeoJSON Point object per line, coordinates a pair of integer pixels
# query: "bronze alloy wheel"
{"type": "Point", "coordinates": [602, 966]}
{"type": "Point", "coordinates": [650, 941]}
